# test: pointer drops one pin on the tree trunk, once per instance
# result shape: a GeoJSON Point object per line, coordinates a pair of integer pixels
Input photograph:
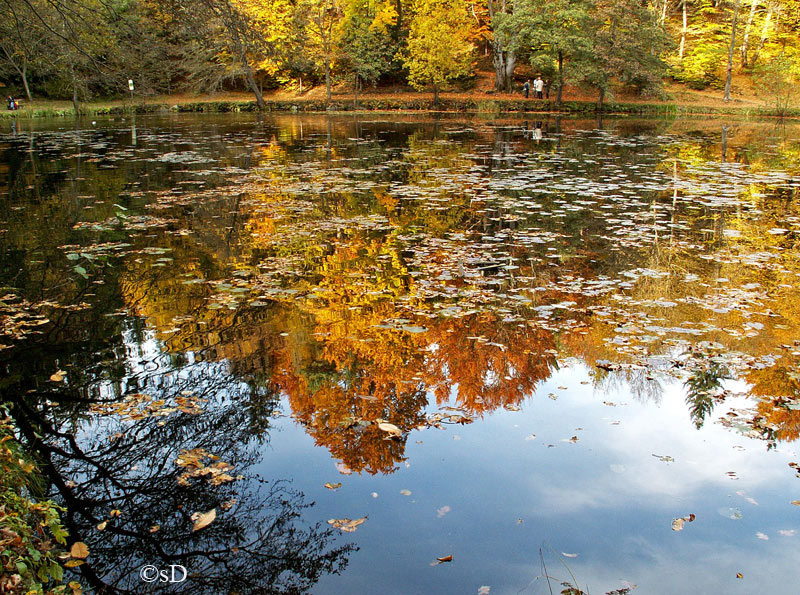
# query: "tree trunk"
{"type": "Point", "coordinates": [24, 74]}
{"type": "Point", "coordinates": [764, 32]}
{"type": "Point", "coordinates": [683, 30]}
{"type": "Point", "coordinates": [251, 80]}
{"type": "Point", "coordinates": [560, 78]}
{"type": "Point", "coordinates": [327, 80]}
{"type": "Point", "coordinates": [436, 96]}
{"type": "Point", "coordinates": [753, 5]}
{"type": "Point", "coordinates": [300, 80]}
{"type": "Point", "coordinates": [729, 72]}
{"type": "Point", "coordinates": [75, 105]}
{"type": "Point", "coordinates": [600, 97]}
{"type": "Point", "coordinates": [664, 12]}
{"type": "Point", "coordinates": [355, 95]}
{"type": "Point", "coordinates": [504, 63]}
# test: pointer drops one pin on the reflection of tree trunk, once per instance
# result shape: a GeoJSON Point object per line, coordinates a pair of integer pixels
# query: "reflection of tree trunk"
{"type": "Point", "coordinates": [729, 72]}
{"type": "Point", "coordinates": [683, 30]}
{"type": "Point", "coordinates": [560, 78]}
{"type": "Point", "coordinates": [753, 5]}
{"type": "Point", "coordinates": [764, 32]}
{"type": "Point", "coordinates": [724, 143]}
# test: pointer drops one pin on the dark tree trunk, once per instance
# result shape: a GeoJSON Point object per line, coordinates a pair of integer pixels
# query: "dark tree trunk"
{"type": "Point", "coordinates": [436, 96]}
{"type": "Point", "coordinates": [600, 97]}
{"type": "Point", "coordinates": [355, 94]}
{"type": "Point", "coordinates": [560, 78]}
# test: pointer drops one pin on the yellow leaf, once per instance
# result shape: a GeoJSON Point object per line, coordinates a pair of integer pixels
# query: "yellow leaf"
{"type": "Point", "coordinates": [58, 376]}
{"type": "Point", "coordinates": [333, 486]}
{"type": "Point", "coordinates": [739, 575]}
{"type": "Point", "coordinates": [154, 528]}
{"type": "Point", "coordinates": [203, 519]}
{"type": "Point", "coordinates": [79, 550]}
{"type": "Point", "coordinates": [74, 563]}
{"type": "Point", "coordinates": [102, 525]}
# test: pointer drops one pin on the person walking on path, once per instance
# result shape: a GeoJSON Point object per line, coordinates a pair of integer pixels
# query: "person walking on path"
{"type": "Point", "coordinates": [526, 88]}
{"type": "Point", "coordinates": [538, 87]}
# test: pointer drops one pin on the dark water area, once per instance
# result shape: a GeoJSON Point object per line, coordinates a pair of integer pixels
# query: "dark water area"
{"type": "Point", "coordinates": [409, 353]}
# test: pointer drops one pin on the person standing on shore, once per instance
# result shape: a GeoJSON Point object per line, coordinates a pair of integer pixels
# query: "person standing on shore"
{"type": "Point", "coordinates": [538, 87]}
{"type": "Point", "coordinates": [526, 88]}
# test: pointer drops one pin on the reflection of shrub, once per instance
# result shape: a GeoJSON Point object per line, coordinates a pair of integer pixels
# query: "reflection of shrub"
{"type": "Point", "coordinates": [778, 81]}
{"type": "Point", "coordinates": [29, 530]}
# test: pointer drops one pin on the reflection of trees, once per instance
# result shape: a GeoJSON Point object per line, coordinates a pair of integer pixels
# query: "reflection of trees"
{"type": "Point", "coordinates": [703, 389]}
{"type": "Point", "coordinates": [258, 543]}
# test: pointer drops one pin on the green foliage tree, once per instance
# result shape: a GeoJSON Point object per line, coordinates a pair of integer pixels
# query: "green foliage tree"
{"type": "Point", "coordinates": [557, 33]}
{"type": "Point", "coordinates": [627, 43]}
{"type": "Point", "coordinates": [365, 41]}
{"type": "Point", "coordinates": [439, 48]}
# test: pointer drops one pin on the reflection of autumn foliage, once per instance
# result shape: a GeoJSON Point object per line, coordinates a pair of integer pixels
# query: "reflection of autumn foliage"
{"type": "Point", "coordinates": [784, 421]}
{"type": "Point", "coordinates": [779, 388]}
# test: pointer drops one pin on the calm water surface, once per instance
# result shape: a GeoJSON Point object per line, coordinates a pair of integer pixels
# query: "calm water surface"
{"type": "Point", "coordinates": [555, 351]}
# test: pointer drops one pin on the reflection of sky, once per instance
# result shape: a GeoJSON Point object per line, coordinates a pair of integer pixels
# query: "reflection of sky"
{"type": "Point", "coordinates": [605, 498]}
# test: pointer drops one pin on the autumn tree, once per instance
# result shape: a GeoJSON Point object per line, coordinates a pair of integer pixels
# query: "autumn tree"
{"type": "Point", "coordinates": [439, 49]}
{"type": "Point", "coordinates": [504, 42]}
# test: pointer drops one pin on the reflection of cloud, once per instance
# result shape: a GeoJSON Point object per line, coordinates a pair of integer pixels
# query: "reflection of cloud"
{"type": "Point", "coordinates": [702, 458]}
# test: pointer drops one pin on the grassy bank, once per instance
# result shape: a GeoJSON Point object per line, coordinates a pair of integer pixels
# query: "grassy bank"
{"type": "Point", "coordinates": [406, 102]}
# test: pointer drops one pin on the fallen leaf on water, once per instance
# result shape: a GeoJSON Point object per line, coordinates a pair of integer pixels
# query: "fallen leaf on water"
{"type": "Point", "coordinates": [154, 528]}
{"type": "Point", "coordinates": [405, 492]}
{"type": "Point", "coordinates": [484, 590]}
{"type": "Point", "coordinates": [333, 486]}
{"type": "Point", "coordinates": [566, 555]}
{"type": "Point", "coordinates": [346, 525]}
{"type": "Point", "coordinates": [102, 525]}
{"type": "Point", "coordinates": [74, 563]}
{"type": "Point", "coordinates": [763, 536]}
{"type": "Point", "coordinates": [442, 560]}
{"type": "Point", "coordinates": [79, 550]}
{"type": "Point", "coordinates": [796, 502]}
{"type": "Point", "coordinates": [677, 524]}
{"type": "Point", "coordinates": [739, 575]}
{"type": "Point", "coordinates": [389, 428]}
{"type": "Point", "coordinates": [58, 376]}
{"type": "Point", "coordinates": [440, 512]}
{"type": "Point", "coordinates": [203, 519]}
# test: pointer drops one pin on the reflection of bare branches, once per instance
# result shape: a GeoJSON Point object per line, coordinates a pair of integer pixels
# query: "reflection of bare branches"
{"type": "Point", "coordinates": [124, 474]}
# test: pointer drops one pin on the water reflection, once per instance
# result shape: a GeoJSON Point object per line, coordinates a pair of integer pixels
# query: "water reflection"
{"type": "Point", "coordinates": [373, 274]}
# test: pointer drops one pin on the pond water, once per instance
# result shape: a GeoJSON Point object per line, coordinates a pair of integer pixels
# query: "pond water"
{"type": "Point", "coordinates": [409, 353]}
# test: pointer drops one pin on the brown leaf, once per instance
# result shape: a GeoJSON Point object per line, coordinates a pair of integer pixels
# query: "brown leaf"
{"type": "Point", "coordinates": [739, 575]}
{"type": "Point", "coordinates": [58, 376]}
{"type": "Point", "coordinates": [346, 525]}
{"type": "Point", "coordinates": [79, 550]}
{"type": "Point", "coordinates": [203, 519]}
{"type": "Point", "coordinates": [333, 486]}
{"type": "Point", "coordinates": [445, 558]}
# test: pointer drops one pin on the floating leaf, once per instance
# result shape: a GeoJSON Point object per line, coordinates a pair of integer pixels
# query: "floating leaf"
{"type": "Point", "coordinates": [58, 376]}
{"type": "Point", "coordinates": [102, 526]}
{"type": "Point", "coordinates": [389, 428]}
{"type": "Point", "coordinates": [79, 550]}
{"type": "Point", "coordinates": [203, 519]}
{"type": "Point", "coordinates": [333, 486]}
{"type": "Point", "coordinates": [346, 525]}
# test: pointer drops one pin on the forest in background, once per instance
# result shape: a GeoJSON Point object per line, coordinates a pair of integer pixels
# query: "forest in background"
{"type": "Point", "coordinates": [84, 49]}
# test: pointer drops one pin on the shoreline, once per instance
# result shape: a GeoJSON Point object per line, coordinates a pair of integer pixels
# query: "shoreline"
{"type": "Point", "coordinates": [406, 104]}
